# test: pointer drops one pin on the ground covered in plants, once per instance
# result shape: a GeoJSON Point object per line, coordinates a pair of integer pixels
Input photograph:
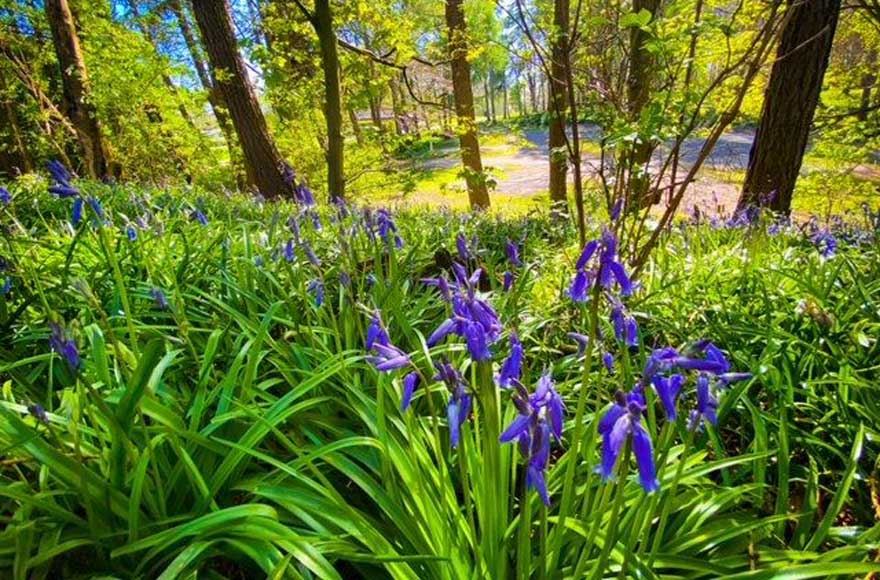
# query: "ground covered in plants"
{"type": "Point", "coordinates": [199, 386]}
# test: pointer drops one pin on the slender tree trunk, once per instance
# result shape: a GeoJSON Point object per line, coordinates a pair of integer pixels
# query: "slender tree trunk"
{"type": "Point", "coordinates": [355, 125]}
{"type": "Point", "coordinates": [491, 86]}
{"type": "Point", "coordinates": [868, 81]}
{"type": "Point", "coordinates": [323, 21]}
{"type": "Point", "coordinates": [395, 107]}
{"type": "Point", "coordinates": [464, 105]}
{"type": "Point", "coordinates": [790, 101]}
{"type": "Point", "coordinates": [263, 162]}
{"type": "Point", "coordinates": [215, 97]}
{"type": "Point", "coordinates": [75, 83]}
{"type": "Point", "coordinates": [505, 97]}
{"type": "Point", "coordinates": [558, 100]}
{"type": "Point", "coordinates": [486, 106]}
{"type": "Point", "coordinates": [20, 159]}
{"type": "Point", "coordinates": [638, 91]}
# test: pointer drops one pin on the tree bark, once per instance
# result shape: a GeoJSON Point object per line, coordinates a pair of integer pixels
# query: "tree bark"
{"type": "Point", "coordinates": [790, 101]}
{"type": "Point", "coordinates": [638, 91]}
{"type": "Point", "coordinates": [263, 163]}
{"type": "Point", "coordinates": [556, 137]}
{"type": "Point", "coordinates": [868, 81]}
{"type": "Point", "coordinates": [464, 106]}
{"type": "Point", "coordinates": [75, 87]}
{"type": "Point", "coordinates": [215, 98]}
{"type": "Point", "coordinates": [323, 23]}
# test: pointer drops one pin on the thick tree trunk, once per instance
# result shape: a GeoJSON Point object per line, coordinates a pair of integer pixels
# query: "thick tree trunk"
{"type": "Point", "coordinates": [323, 21]}
{"type": "Point", "coordinates": [790, 101]}
{"type": "Point", "coordinates": [75, 83]}
{"type": "Point", "coordinates": [638, 92]}
{"type": "Point", "coordinates": [263, 162]}
{"type": "Point", "coordinates": [215, 98]}
{"type": "Point", "coordinates": [464, 105]}
{"type": "Point", "coordinates": [558, 99]}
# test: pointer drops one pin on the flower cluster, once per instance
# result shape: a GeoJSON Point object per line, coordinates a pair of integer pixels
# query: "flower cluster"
{"type": "Point", "coordinates": [540, 415]}
{"type": "Point", "coordinates": [387, 358]}
{"type": "Point", "coordinates": [599, 263]}
{"type": "Point", "coordinates": [63, 188]}
{"type": "Point", "coordinates": [65, 346]}
{"type": "Point", "coordinates": [512, 252]}
{"type": "Point", "coordinates": [664, 372]}
{"type": "Point", "coordinates": [472, 319]}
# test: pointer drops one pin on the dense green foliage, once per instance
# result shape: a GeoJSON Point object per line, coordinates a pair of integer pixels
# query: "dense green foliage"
{"type": "Point", "coordinates": [240, 432]}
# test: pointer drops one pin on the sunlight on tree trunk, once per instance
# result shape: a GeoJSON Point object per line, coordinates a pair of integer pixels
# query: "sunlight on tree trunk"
{"type": "Point", "coordinates": [323, 22]}
{"type": "Point", "coordinates": [558, 107]}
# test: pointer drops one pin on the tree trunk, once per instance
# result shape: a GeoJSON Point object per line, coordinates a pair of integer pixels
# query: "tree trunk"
{"type": "Point", "coordinates": [868, 80]}
{"type": "Point", "coordinates": [355, 125]}
{"type": "Point", "coordinates": [323, 21]}
{"type": "Point", "coordinates": [215, 98]}
{"type": "Point", "coordinates": [505, 98]}
{"type": "Point", "coordinates": [638, 92]}
{"type": "Point", "coordinates": [464, 105]}
{"type": "Point", "coordinates": [75, 87]}
{"type": "Point", "coordinates": [263, 162]}
{"type": "Point", "coordinates": [487, 107]}
{"type": "Point", "coordinates": [556, 137]}
{"type": "Point", "coordinates": [790, 101]}
{"type": "Point", "coordinates": [395, 107]}
{"type": "Point", "coordinates": [19, 158]}
{"type": "Point", "coordinates": [492, 116]}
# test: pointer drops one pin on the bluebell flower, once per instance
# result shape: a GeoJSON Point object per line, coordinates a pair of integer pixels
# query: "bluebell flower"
{"type": "Point", "coordinates": [599, 263]}
{"type": "Point", "coordinates": [77, 211]}
{"type": "Point", "coordinates": [37, 411]}
{"type": "Point", "coordinates": [199, 216]}
{"type": "Point", "coordinates": [582, 340]}
{"type": "Point", "coordinates": [386, 228]}
{"type": "Point", "coordinates": [707, 404]}
{"type": "Point", "coordinates": [460, 401]}
{"type": "Point", "coordinates": [616, 210]}
{"type": "Point", "coordinates": [5, 196]}
{"type": "Point", "coordinates": [258, 261]}
{"type": "Point", "coordinates": [58, 171]}
{"type": "Point", "coordinates": [304, 195]}
{"type": "Point", "coordinates": [512, 251]}
{"type": "Point", "coordinates": [511, 370]}
{"type": "Point", "coordinates": [668, 389]}
{"type": "Point", "coordinates": [131, 233]}
{"type": "Point", "coordinates": [97, 208]}
{"type": "Point", "coordinates": [825, 242]}
{"type": "Point", "coordinates": [288, 252]}
{"type": "Point", "coordinates": [388, 358]}
{"type": "Point", "coordinates": [620, 423]}
{"type": "Point", "coordinates": [473, 318]}
{"type": "Point", "coordinates": [508, 281]}
{"type": "Point", "coordinates": [6, 288]}
{"type": "Point", "coordinates": [159, 298]}
{"type": "Point", "coordinates": [310, 254]}
{"type": "Point", "coordinates": [316, 289]}
{"type": "Point", "coordinates": [376, 333]}
{"type": "Point", "coordinates": [608, 361]}
{"type": "Point", "coordinates": [410, 384]}
{"type": "Point", "coordinates": [540, 415]}
{"type": "Point", "coordinates": [344, 279]}
{"type": "Point", "coordinates": [65, 346]}
{"type": "Point", "coordinates": [626, 329]}
{"type": "Point", "coordinates": [461, 245]}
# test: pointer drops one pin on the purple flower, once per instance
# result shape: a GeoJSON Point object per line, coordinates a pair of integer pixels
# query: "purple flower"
{"type": "Point", "coordinates": [131, 233]}
{"type": "Point", "coordinates": [620, 423]}
{"type": "Point", "coordinates": [508, 281]}
{"type": "Point", "coordinates": [582, 340]}
{"type": "Point", "coordinates": [459, 408]}
{"type": "Point", "coordinates": [707, 404]}
{"type": "Point", "coordinates": [388, 358]}
{"type": "Point", "coordinates": [376, 333]}
{"type": "Point", "coordinates": [199, 216]}
{"type": "Point", "coordinates": [37, 411]}
{"type": "Point", "coordinates": [512, 252]}
{"type": "Point", "coordinates": [606, 268]}
{"type": "Point", "coordinates": [461, 245]}
{"type": "Point", "coordinates": [540, 414]}
{"type": "Point", "coordinates": [310, 254]}
{"type": "Point", "coordinates": [159, 298]}
{"type": "Point", "coordinates": [6, 288]}
{"type": "Point", "coordinates": [97, 208]}
{"type": "Point", "coordinates": [608, 361]}
{"type": "Point", "coordinates": [386, 228]}
{"type": "Point", "coordinates": [580, 286]}
{"type": "Point", "coordinates": [5, 196]}
{"type": "Point", "coordinates": [668, 389]}
{"type": "Point", "coordinates": [511, 370]}
{"type": "Point", "coordinates": [316, 289]}
{"type": "Point", "coordinates": [825, 242]}
{"type": "Point", "coordinates": [616, 209]}
{"type": "Point", "coordinates": [410, 384]}
{"type": "Point", "coordinates": [77, 211]}
{"type": "Point", "coordinates": [473, 318]}
{"type": "Point", "coordinates": [288, 251]}
{"type": "Point", "coordinates": [58, 171]}
{"type": "Point", "coordinates": [626, 328]}
{"type": "Point", "coordinates": [65, 346]}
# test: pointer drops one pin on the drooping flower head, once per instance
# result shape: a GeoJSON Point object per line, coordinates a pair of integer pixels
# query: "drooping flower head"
{"type": "Point", "coordinates": [316, 289]}
{"type": "Point", "coordinates": [5, 196]}
{"type": "Point", "coordinates": [460, 401]}
{"type": "Point", "coordinates": [511, 370]}
{"type": "Point", "coordinates": [825, 242]}
{"type": "Point", "coordinates": [65, 346]}
{"type": "Point", "coordinates": [512, 251]}
{"type": "Point", "coordinates": [386, 228]}
{"type": "Point", "coordinates": [622, 423]}
{"type": "Point", "coordinates": [599, 264]}
{"type": "Point", "coordinates": [472, 319]}
{"type": "Point", "coordinates": [540, 415]}
{"type": "Point", "coordinates": [159, 298]}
